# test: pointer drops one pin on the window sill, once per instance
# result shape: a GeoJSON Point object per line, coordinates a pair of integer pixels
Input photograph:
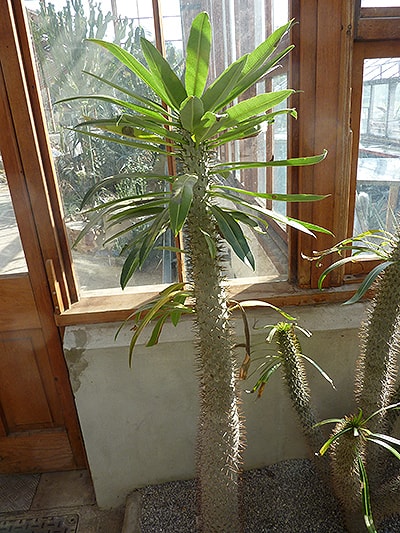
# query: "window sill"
{"type": "Point", "coordinates": [107, 307]}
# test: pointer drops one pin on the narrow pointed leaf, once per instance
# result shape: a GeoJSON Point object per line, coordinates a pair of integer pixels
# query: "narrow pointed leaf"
{"type": "Point", "coordinates": [143, 99]}
{"type": "Point", "coordinates": [320, 370]}
{"type": "Point", "coordinates": [131, 264]}
{"type": "Point", "coordinates": [273, 196]}
{"type": "Point", "coordinates": [250, 128]}
{"type": "Point", "coordinates": [260, 303]}
{"type": "Point", "coordinates": [332, 439]}
{"type": "Point", "coordinates": [258, 63]}
{"type": "Point", "coordinates": [264, 50]}
{"type": "Point", "coordinates": [208, 126]}
{"type": "Point", "coordinates": [293, 162]}
{"type": "Point", "coordinates": [154, 115]}
{"type": "Point", "coordinates": [134, 65]}
{"type": "Point", "coordinates": [386, 446]}
{"type": "Point", "coordinates": [181, 201]}
{"type": "Point", "coordinates": [366, 501]}
{"type": "Point", "coordinates": [368, 281]}
{"type": "Point", "coordinates": [233, 234]}
{"type": "Point", "coordinates": [211, 244]}
{"type": "Point", "coordinates": [155, 335]}
{"type": "Point", "coordinates": [332, 267]}
{"type": "Point", "coordinates": [198, 55]}
{"type": "Point", "coordinates": [191, 113]}
{"type": "Point", "coordinates": [305, 227]}
{"type": "Point", "coordinates": [255, 75]}
{"type": "Point", "coordinates": [254, 106]}
{"type": "Point", "coordinates": [388, 438]}
{"type": "Point", "coordinates": [111, 180]}
{"type": "Point", "coordinates": [265, 377]}
{"type": "Point", "coordinates": [157, 304]}
{"type": "Point", "coordinates": [134, 144]}
{"type": "Point", "coordinates": [222, 86]}
{"type": "Point", "coordinates": [164, 74]}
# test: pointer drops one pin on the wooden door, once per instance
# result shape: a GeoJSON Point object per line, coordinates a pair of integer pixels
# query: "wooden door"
{"type": "Point", "coordinates": [39, 430]}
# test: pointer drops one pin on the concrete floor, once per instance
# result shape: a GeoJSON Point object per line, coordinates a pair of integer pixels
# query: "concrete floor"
{"type": "Point", "coordinates": [55, 494]}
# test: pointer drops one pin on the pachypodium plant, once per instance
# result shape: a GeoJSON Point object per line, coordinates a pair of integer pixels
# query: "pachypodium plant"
{"type": "Point", "coordinates": [362, 475]}
{"type": "Point", "coordinates": [348, 446]}
{"type": "Point", "coordinates": [195, 120]}
{"type": "Point", "coordinates": [291, 360]}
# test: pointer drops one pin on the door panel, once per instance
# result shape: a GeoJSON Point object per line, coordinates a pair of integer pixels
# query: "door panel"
{"type": "Point", "coordinates": [39, 430]}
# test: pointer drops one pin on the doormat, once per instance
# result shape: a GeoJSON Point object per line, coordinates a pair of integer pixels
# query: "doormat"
{"type": "Point", "coordinates": [50, 524]}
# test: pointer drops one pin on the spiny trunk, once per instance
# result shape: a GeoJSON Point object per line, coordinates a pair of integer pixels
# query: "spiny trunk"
{"type": "Point", "coordinates": [346, 475]}
{"type": "Point", "coordinates": [219, 432]}
{"type": "Point", "coordinates": [380, 342]}
{"type": "Point", "coordinates": [296, 380]}
{"type": "Point", "coordinates": [376, 374]}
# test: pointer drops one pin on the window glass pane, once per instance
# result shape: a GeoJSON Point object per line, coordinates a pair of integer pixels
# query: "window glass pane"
{"type": "Point", "coordinates": [58, 30]}
{"type": "Point", "coordinates": [380, 3]}
{"type": "Point", "coordinates": [12, 260]}
{"type": "Point", "coordinates": [231, 39]}
{"type": "Point", "coordinates": [378, 174]}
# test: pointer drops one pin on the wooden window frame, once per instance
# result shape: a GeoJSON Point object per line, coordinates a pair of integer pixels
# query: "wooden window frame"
{"type": "Point", "coordinates": [324, 123]}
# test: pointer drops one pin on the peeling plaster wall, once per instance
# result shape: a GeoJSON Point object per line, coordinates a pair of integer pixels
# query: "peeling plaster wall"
{"type": "Point", "coordinates": [139, 423]}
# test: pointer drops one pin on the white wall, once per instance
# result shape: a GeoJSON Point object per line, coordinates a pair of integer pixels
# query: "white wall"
{"type": "Point", "coordinates": [139, 424]}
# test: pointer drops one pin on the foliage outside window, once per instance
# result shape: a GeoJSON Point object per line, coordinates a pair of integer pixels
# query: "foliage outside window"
{"type": "Point", "coordinates": [62, 55]}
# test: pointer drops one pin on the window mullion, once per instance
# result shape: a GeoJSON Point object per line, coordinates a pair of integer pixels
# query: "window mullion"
{"type": "Point", "coordinates": [323, 123]}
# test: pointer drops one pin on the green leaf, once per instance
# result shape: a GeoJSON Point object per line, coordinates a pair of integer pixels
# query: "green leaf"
{"type": "Point", "coordinates": [368, 281]}
{"type": "Point", "coordinates": [158, 227]}
{"type": "Point", "coordinates": [328, 421]}
{"type": "Point", "coordinates": [332, 267]}
{"type": "Point", "coordinates": [181, 201]}
{"type": "Point", "coordinates": [131, 264]}
{"type": "Point", "coordinates": [164, 74]}
{"type": "Point", "coordinates": [142, 210]}
{"type": "Point", "coordinates": [198, 55]}
{"type": "Point", "coordinates": [154, 115]}
{"type": "Point", "coordinates": [221, 87]}
{"type": "Point", "coordinates": [134, 65]}
{"type": "Point", "coordinates": [382, 410]}
{"type": "Point", "coordinates": [305, 227]}
{"type": "Point", "coordinates": [233, 234]}
{"type": "Point", "coordinates": [145, 123]}
{"type": "Point", "coordinates": [123, 128]}
{"type": "Point", "coordinates": [260, 303]}
{"type": "Point", "coordinates": [258, 63]}
{"type": "Point", "coordinates": [211, 244]}
{"type": "Point", "coordinates": [322, 372]}
{"type": "Point", "coordinates": [273, 196]}
{"type": "Point", "coordinates": [134, 144]}
{"type": "Point", "coordinates": [254, 106]}
{"type": "Point", "coordinates": [294, 162]}
{"type": "Point", "coordinates": [155, 335]}
{"type": "Point", "coordinates": [263, 51]}
{"type": "Point", "coordinates": [140, 253]}
{"type": "Point", "coordinates": [332, 439]}
{"type": "Point", "coordinates": [366, 500]}
{"type": "Point", "coordinates": [116, 178]}
{"type": "Point", "coordinates": [265, 377]}
{"type": "Point", "coordinates": [249, 128]}
{"type": "Point", "coordinates": [208, 126]}
{"type": "Point", "coordinates": [143, 99]}
{"type": "Point", "coordinates": [191, 113]}
{"type": "Point", "coordinates": [388, 438]}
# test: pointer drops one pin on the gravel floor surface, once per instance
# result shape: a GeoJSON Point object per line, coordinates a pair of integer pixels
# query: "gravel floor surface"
{"type": "Point", "coordinates": [287, 497]}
